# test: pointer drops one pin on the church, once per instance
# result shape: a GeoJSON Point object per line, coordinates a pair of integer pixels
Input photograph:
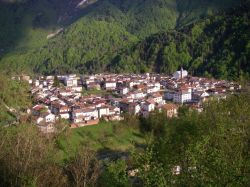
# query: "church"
{"type": "Point", "coordinates": [180, 74]}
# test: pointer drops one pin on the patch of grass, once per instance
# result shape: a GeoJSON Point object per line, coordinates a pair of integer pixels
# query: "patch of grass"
{"type": "Point", "coordinates": [106, 135]}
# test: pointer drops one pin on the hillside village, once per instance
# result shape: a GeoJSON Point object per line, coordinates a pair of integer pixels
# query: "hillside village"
{"type": "Point", "coordinates": [85, 100]}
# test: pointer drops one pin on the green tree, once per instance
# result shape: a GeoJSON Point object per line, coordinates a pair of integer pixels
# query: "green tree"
{"type": "Point", "coordinates": [56, 82]}
{"type": "Point", "coordinates": [115, 175]}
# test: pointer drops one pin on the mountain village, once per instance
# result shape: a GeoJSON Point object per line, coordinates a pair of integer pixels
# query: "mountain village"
{"type": "Point", "coordinates": [85, 100]}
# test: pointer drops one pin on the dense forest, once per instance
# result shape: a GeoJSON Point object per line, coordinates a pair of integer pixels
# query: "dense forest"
{"type": "Point", "coordinates": [209, 148]}
{"type": "Point", "coordinates": [128, 36]}
{"type": "Point", "coordinates": [217, 46]}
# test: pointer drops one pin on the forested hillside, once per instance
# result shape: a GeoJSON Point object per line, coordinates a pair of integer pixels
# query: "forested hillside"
{"type": "Point", "coordinates": [192, 10]}
{"type": "Point", "coordinates": [114, 25]}
{"type": "Point", "coordinates": [14, 100]}
{"type": "Point", "coordinates": [217, 46]}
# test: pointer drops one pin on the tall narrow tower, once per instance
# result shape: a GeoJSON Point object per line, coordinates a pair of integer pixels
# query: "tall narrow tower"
{"type": "Point", "coordinates": [181, 73]}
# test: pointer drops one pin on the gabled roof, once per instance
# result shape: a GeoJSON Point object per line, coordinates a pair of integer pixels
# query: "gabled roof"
{"type": "Point", "coordinates": [84, 110]}
{"type": "Point", "coordinates": [38, 107]}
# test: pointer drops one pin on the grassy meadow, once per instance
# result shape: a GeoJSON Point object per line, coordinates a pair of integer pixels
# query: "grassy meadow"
{"type": "Point", "coordinates": [104, 137]}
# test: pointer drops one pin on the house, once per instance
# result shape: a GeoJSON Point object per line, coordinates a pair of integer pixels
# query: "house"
{"type": "Point", "coordinates": [50, 77]}
{"type": "Point", "coordinates": [114, 114]}
{"type": "Point", "coordinates": [137, 95]}
{"type": "Point", "coordinates": [149, 105]}
{"type": "Point", "coordinates": [123, 90]}
{"type": "Point", "coordinates": [171, 85]}
{"type": "Point", "coordinates": [76, 88]}
{"type": "Point", "coordinates": [84, 123]}
{"type": "Point", "coordinates": [46, 127]}
{"type": "Point", "coordinates": [170, 109]}
{"type": "Point", "coordinates": [180, 74]}
{"type": "Point", "coordinates": [55, 107]}
{"type": "Point", "coordinates": [36, 83]}
{"type": "Point", "coordinates": [153, 89]}
{"type": "Point", "coordinates": [48, 117]}
{"type": "Point", "coordinates": [70, 82]}
{"type": "Point", "coordinates": [130, 107]}
{"type": "Point", "coordinates": [45, 83]}
{"type": "Point", "coordinates": [182, 96]}
{"type": "Point", "coordinates": [157, 97]}
{"type": "Point", "coordinates": [134, 108]}
{"type": "Point", "coordinates": [98, 103]}
{"type": "Point", "coordinates": [66, 93]}
{"type": "Point", "coordinates": [45, 122]}
{"type": "Point", "coordinates": [199, 96]}
{"type": "Point", "coordinates": [128, 97]}
{"type": "Point", "coordinates": [131, 84]}
{"type": "Point", "coordinates": [110, 85]}
{"type": "Point", "coordinates": [157, 86]}
{"type": "Point", "coordinates": [62, 110]}
{"type": "Point", "coordinates": [88, 80]}
{"type": "Point", "coordinates": [103, 111]}
{"type": "Point", "coordinates": [38, 109]}
{"type": "Point", "coordinates": [139, 87]}
{"type": "Point", "coordinates": [85, 114]}
{"type": "Point", "coordinates": [115, 102]}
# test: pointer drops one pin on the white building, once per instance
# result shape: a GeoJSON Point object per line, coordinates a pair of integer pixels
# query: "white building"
{"type": "Point", "coordinates": [36, 83]}
{"type": "Point", "coordinates": [180, 74]}
{"type": "Point", "coordinates": [157, 98]}
{"type": "Point", "coordinates": [46, 118]}
{"type": "Point", "coordinates": [153, 89]}
{"type": "Point", "coordinates": [133, 83]}
{"type": "Point", "coordinates": [45, 122]}
{"type": "Point", "coordinates": [70, 82]}
{"type": "Point", "coordinates": [64, 115]}
{"type": "Point", "coordinates": [137, 109]}
{"type": "Point", "coordinates": [182, 96]}
{"type": "Point", "coordinates": [148, 107]}
{"type": "Point", "coordinates": [86, 114]}
{"type": "Point", "coordinates": [124, 91]}
{"type": "Point", "coordinates": [111, 85]}
{"type": "Point", "coordinates": [76, 89]}
{"type": "Point", "coordinates": [103, 111]}
{"type": "Point", "coordinates": [138, 95]}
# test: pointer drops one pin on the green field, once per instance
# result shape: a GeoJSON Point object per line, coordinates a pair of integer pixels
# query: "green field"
{"type": "Point", "coordinates": [106, 136]}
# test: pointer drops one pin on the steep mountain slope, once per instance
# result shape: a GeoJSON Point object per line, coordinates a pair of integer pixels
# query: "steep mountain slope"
{"type": "Point", "coordinates": [192, 10]}
{"type": "Point", "coordinates": [84, 44]}
{"type": "Point", "coordinates": [103, 41]}
{"type": "Point", "coordinates": [218, 46]}
{"type": "Point", "coordinates": [25, 24]}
